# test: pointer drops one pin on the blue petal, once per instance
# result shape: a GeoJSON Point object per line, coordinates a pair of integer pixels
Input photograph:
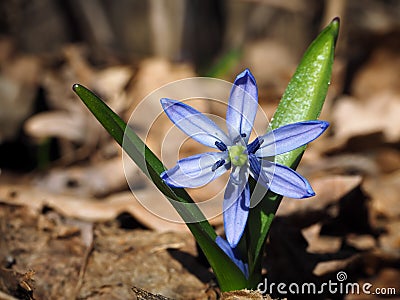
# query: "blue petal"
{"type": "Point", "coordinates": [236, 205]}
{"type": "Point", "coordinates": [233, 255]}
{"type": "Point", "coordinates": [197, 170]}
{"type": "Point", "coordinates": [262, 170]}
{"type": "Point", "coordinates": [289, 137]}
{"type": "Point", "coordinates": [284, 181]}
{"type": "Point", "coordinates": [194, 123]}
{"type": "Point", "coordinates": [242, 106]}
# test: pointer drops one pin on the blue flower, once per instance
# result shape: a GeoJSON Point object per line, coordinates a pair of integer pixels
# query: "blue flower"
{"type": "Point", "coordinates": [237, 155]}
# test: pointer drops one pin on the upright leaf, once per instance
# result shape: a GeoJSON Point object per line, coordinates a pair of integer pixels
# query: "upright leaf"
{"type": "Point", "coordinates": [302, 100]}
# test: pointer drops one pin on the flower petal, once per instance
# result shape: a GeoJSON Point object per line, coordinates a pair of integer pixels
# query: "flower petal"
{"type": "Point", "coordinates": [285, 181]}
{"type": "Point", "coordinates": [236, 205]}
{"type": "Point", "coordinates": [232, 253]}
{"type": "Point", "coordinates": [194, 123]}
{"type": "Point", "coordinates": [262, 170]}
{"type": "Point", "coordinates": [290, 137]}
{"type": "Point", "coordinates": [242, 106]}
{"type": "Point", "coordinates": [197, 170]}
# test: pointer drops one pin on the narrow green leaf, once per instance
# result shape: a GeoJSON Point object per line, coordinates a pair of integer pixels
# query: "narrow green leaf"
{"type": "Point", "coordinates": [303, 100]}
{"type": "Point", "coordinates": [305, 95]}
{"type": "Point", "coordinates": [228, 274]}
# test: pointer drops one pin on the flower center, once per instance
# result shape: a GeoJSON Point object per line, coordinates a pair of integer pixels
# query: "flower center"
{"type": "Point", "coordinates": [237, 155]}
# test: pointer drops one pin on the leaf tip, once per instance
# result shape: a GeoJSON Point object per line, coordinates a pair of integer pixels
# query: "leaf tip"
{"type": "Point", "coordinates": [334, 26]}
{"type": "Point", "coordinates": [75, 87]}
{"type": "Point", "coordinates": [336, 20]}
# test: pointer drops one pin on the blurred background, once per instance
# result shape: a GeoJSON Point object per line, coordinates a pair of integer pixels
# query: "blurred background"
{"type": "Point", "coordinates": [58, 158]}
{"type": "Point", "coordinates": [77, 40]}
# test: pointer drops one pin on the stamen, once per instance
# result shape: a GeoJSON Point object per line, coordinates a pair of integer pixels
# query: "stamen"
{"type": "Point", "coordinates": [221, 146]}
{"type": "Point", "coordinates": [218, 164]}
{"type": "Point", "coordinates": [238, 138]}
{"type": "Point", "coordinates": [255, 145]}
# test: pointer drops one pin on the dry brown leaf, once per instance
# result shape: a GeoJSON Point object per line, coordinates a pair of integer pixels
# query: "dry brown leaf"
{"type": "Point", "coordinates": [379, 75]}
{"type": "Point", "coordinates": [390, 240]}
{"type": "Point", "coordinates": [94, 210]}
{"type": "Point", "coordinates": [377, 114]}
{"type": "Point", "coordinates": [328, 190]}
{"type": "Point", "coordinates": [56, 124]}
{"type": "Point", "coordinates": [243, 295]}
{"type": "Point", "coordinates": [98, 179]}
{"type": "Point", "coordinates": [325, 267]}
{"type": "Point", "coordinates": [318, 243]}
{"type": "Point", "coordinates": [153, 73]}
{"type": "Point", "coordinates": [346, 163]}
{"type": "Point", "coordinates": [155, 211]}
{"type": "Point", "coordinates": [116, 260]}
{"type": "Point", "coordinates": [384, 191]}
{"type": "Point", "coordinates": [141, 294]}
{"type": "Point", "coordinates": [388, 159]}
{"type": "Point", "coordinates": [122, 259]}
{"type": "Point", "coordinates": [361, 242]}
{"type": "Point", "coordinates": [69, 119]}
{"type": "Point", "coordinates": [111, 81]}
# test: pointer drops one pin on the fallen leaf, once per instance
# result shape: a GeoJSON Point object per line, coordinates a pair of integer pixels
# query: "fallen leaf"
{"type": "Point", "coordinates": [243, 295]}
{"type": "Point", "coordinates": [94, 180]}
{"type": "Point", "coordinates": [331, 266]}
{"type": "Point", "coordinates": [362, 242]}
{"type": "Point", "coordinates": [318, 243]}
{"type": "Point", "coordinates": [328, 191]}
{"type": "Point", "coordinates": [56, 124]}
{"type": "Point", "coordinates": [384, 192]}
{"type": "Point", "coordinates": [390, 240]}
{"type": "Point", "coordinates": [352, 118]}
{"type": "Point", "coordinates": [380, 73]}
{"type": "Point", "coordinates": [156, 216]}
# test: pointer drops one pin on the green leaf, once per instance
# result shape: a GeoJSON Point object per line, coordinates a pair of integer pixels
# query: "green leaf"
{"type": "Point", "coordinates": [305, 95]}
{"type": "Point", "coordinates": [228, 274]}
{"type": "Point", "coordinates": [302, 100]}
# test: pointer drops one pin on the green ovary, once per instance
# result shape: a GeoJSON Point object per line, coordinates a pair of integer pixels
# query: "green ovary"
{"type": "Point", "coordinates": [237, 155]}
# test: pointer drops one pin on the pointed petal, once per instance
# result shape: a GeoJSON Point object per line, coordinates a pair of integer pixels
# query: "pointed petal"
{"type": "Point", "coordinates": [290, 137]}
{"type": "Point", "coordinates": [232, 253]}
{"type": "Point", "coordinates": [284, 181]}
{"type": "Point", "coordinates": [242, 106]}
{"type": "Point", "coordinates": [194, 123]}
{"type": "Point", "coordinates": [236, 206]}
{"type": "Point", "coordinates": [262, 170]}
{"type": "Point", "coordinates": [197, 170]}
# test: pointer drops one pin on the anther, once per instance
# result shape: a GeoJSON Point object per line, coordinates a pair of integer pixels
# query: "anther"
{"type": "Point", "coordinates": [255, 145]}
{"type": "Point", "coordinates": [218, 164]}
{"type": "Point", "coordinates": [221, 146]}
